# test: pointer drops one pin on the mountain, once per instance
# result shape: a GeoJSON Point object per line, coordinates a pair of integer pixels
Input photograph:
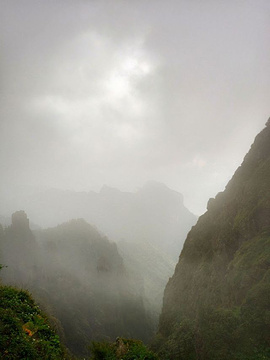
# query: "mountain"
{"type": "Point", "coordinates": [216, 305]}
{"type": "Point", "coordinates": [78, 277]}
{"type": "Point", "coordinates": [154, 214]}
{"type": "Point", "coordinates": [6, 221]}
{"type": "Point", "coordinates": [149, 227]}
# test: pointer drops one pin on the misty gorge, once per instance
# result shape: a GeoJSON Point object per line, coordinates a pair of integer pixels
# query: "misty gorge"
{"type": "Point", "coordinates": [215, 305]}
{"type": "Point", "coordinates": [94, 288]}
{"type": "Point", "coordinates": [135, 180]}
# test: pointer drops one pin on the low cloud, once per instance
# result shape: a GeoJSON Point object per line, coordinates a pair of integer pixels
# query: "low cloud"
{"type": "Point", "coordinates": [121, 93]}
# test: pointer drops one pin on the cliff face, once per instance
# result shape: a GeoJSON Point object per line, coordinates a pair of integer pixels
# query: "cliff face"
{"type": "Point", "coordinates": [216, 305]}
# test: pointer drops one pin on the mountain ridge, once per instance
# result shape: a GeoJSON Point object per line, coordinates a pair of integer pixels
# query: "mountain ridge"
{"type": "Point", "coordinates": [79, 277]}
{"type": "Point", "coordinates": [222, 269]}
{"type": "Point", "coordinates": [155, 213]}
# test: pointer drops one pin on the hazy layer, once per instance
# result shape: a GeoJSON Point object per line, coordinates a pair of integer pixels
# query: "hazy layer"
{"type": "Point", "coordinates": [118, 92]}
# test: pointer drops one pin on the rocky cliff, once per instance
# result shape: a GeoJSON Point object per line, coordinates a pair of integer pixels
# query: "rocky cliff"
{"type": "Point", "coordinates": [216, 305]}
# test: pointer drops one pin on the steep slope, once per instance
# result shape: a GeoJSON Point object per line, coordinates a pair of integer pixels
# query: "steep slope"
{"type": "Point", "coordinates": [216, 305]}
{"type": "Point", "coordinates": [25, 332]}
{"type": "Point", "coordinates": [78, 276]}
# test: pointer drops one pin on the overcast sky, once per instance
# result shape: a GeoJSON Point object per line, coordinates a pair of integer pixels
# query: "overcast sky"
{"type": "Point", "coordinates": [121, 92]}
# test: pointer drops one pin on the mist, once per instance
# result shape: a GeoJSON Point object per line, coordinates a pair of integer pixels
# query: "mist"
{"type": "Point", "coordinates": [118, 122]}
{"type": "Point", "coordinates": [78, 277]}
{"type": "Point", "coordinates": [118, 93]}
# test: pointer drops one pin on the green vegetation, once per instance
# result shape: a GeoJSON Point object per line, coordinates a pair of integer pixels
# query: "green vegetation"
{"type": "Point", "coordinates": [122, 349]}
{"type": "Point", "coordinates": [222, 334]}
{"type": "Point", "coordinates": [216, 306]}
{"type": "Point", "coordinates": [25, 332]}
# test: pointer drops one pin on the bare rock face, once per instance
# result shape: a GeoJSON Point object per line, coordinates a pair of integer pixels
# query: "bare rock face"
{"type": "Point", "coordinates": [216, 305]}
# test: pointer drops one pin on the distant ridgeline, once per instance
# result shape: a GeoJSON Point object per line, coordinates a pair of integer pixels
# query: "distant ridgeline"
{"type": "Point", "coordinates": [78, 277]}
{"type": "Point", "coordinates": [149, 227]}
{"type": "Point", "coordinates": [154, 214]}
{"type": "Point", "coordinates": [217, 304]}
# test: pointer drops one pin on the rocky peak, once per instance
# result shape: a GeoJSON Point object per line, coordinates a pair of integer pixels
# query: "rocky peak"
{"type": "Point", "coordinates": [19, 220]}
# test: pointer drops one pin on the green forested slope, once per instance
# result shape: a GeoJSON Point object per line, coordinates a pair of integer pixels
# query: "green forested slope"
{"type": "Point", "coordinates": [217, 304]}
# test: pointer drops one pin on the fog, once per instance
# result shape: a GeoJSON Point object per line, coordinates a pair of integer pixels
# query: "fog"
{"type": "Point", "coordinates": [118, 121]}
{"type": "Point", "coordinates": [78, 277]}
{"type": "Point", "coordinates": [120, 93]}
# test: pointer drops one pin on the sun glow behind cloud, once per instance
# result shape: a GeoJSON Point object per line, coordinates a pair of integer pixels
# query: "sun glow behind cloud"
{"type": "Point", "coordinates": [117, 93]}
{"type": "Point", "coordinates": [106, 105]}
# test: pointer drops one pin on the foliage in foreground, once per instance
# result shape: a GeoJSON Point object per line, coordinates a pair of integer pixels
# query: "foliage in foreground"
{"type": "Point", "coordinates": [124, 349]}
{"type": "Point", "coordinates": [25, 332]}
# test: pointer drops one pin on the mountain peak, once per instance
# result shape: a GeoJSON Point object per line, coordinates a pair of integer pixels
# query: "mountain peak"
{"type": "Point", "coordinates": [159, 189]}
{"type": "Point", "coordinates": [19, 220]}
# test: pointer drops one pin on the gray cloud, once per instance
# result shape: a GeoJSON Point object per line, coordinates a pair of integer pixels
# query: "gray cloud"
{"type": "Point", "coordinates": [121, 92]}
